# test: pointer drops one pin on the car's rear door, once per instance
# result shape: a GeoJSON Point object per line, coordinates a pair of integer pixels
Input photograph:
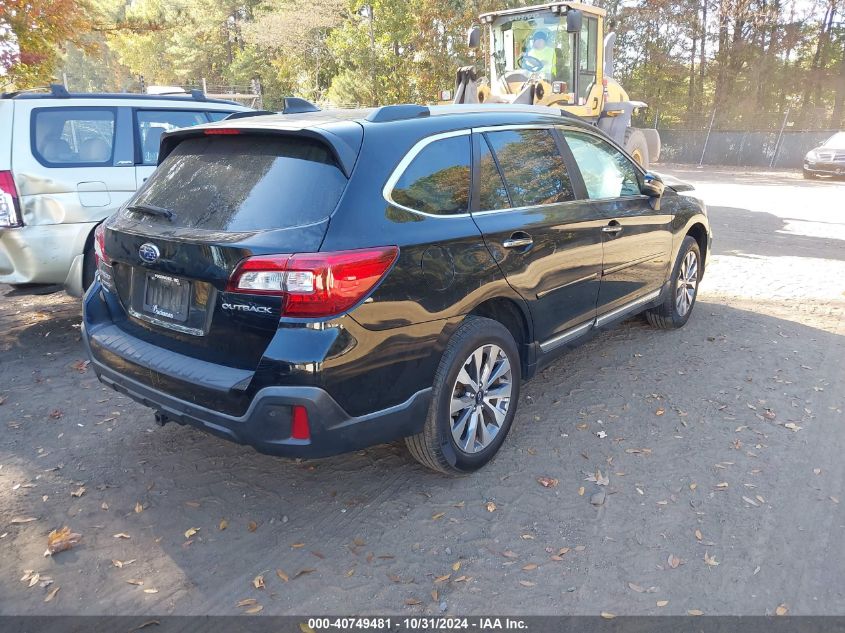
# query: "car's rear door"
{"type": "Point", "coordinates": [546, 241]}
{"type": "Point", "coordinates": [637, 239]}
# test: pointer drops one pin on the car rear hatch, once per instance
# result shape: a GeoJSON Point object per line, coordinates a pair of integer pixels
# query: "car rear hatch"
{"type": "Point", "coordinates": [216, 199]}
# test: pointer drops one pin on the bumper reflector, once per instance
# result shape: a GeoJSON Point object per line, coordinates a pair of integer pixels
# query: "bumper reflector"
{"type": "Point", "coordinates": [299, 429]}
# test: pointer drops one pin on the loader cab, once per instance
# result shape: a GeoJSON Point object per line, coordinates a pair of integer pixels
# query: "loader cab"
{"type": "Point", "coordinates": [557, 44]}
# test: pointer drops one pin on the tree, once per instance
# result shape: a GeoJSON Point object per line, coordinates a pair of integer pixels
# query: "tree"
{"type": "Point", "coordinates": [32, 34]}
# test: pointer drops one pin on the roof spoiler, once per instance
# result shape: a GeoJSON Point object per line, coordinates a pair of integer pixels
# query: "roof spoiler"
{"type": "Point", "coordinates": [296, 105]}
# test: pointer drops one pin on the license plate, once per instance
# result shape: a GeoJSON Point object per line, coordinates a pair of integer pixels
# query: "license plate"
{"type": "Point", "coordinates": [167, 297]}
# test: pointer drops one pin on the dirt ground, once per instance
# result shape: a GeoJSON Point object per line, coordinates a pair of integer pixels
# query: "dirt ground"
{"type": "Point", "coordinates": [722, 444]}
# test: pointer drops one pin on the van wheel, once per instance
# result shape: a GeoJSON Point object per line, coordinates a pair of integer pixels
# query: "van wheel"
{"type": "Point", "coordinates": [675, 311]}
{"type": "Point", "coordinates": [474, 399]}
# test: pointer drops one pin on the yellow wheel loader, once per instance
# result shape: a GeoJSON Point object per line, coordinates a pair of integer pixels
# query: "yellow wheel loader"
{"type": "Point", "coordinates": [556, 55]}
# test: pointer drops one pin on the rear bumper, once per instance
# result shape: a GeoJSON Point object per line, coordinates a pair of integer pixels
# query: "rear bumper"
{"type": "Point", "coordinates": [266, 423]}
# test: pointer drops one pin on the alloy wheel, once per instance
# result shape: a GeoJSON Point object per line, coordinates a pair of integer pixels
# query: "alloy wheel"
{"type": "Point", "coordinates": [481, 398]}
{"type": "Point", "coordinates": [687, 284]}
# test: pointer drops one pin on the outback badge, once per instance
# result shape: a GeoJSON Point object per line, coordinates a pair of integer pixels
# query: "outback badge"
{"type": "Point", "coordinates": [149, 253]}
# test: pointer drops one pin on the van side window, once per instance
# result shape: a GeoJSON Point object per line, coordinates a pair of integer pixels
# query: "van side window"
{"type": "Point", "coordinates": [437, 180]}
{"type": "Point", "coordinates": [153, 123]}
{"type": "Point", "coordinates": [71, 137]}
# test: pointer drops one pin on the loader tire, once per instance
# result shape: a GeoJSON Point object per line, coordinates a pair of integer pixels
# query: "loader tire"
{"type": "Point", "coordinates": [637, 147]}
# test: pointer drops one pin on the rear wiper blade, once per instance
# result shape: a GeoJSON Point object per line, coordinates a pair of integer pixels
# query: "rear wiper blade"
{"type": "Point", "coordinates": [149, 209]}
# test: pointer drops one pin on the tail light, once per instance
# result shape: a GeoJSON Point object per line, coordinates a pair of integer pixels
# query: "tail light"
{"type": "Point", "coordinates": [314, 284]}
{"type": "Point", "coordinates": [101, 258]}
{"type": "Point", "coordinates": [100, 245]}
{"type": "Point", "coordinates": [10, 208]}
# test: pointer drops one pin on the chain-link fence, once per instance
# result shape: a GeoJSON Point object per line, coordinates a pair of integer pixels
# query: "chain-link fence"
{"type": "Point", "coordinates": [763, 139]}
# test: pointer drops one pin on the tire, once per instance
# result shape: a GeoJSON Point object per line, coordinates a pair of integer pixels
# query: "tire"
{"type": "Point", "coordinates": [652, 139]}
{"type": "Point", "coordinates": [670, 315]}
{"type": "Point", "coordinates": [436, 446]}
{"type": "Point", "coordinates": [637, 147]}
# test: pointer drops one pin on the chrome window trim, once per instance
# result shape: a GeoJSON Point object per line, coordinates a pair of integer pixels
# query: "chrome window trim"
{"type": "Point", "coordinates": [399, 170]}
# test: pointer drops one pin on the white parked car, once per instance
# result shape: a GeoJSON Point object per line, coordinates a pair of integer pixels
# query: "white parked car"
{"type": "Point", "coordinates": [68, 161]}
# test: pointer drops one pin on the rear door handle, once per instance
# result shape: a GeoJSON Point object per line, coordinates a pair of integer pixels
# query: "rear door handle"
{"type": "Point", "coordinates": [613, 228]}
{"type": "Point", "coordinates": [518, 242]}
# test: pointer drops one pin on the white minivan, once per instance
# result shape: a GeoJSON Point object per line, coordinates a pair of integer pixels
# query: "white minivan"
{"type": "Point", "coordinates": [68, 161]}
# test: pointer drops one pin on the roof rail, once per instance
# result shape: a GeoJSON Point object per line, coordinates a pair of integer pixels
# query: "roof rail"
{"type": "Point", "coordinates": [397, 113]}
{"type": "Point", "coordinates": [243, 115]}
{"type": "Point", "coordinates": [297, 105]}
{"type": "Point", "coordinates": [198, 95]}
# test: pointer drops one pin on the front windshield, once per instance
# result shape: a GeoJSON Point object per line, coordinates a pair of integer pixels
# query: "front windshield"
{"type": "Point", "coordinates": [535, 42]}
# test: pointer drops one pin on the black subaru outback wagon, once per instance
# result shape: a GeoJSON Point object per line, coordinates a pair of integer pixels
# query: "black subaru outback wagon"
{"type": "Point", "coordinates": [319, 282]}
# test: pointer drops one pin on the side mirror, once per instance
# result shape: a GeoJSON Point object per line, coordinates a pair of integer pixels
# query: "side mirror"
{"type": "Point", "coordinates": [573, 21]}
{"type": "Point", "coordinates": [474, 36]}
{"type": "Point", "coordinates": [653, 187]}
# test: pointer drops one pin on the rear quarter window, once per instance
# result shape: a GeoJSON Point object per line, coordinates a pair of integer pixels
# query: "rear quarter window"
{"type": "Point", "coordinates": [245, 183]}
{"type": "Point", "coordinates": [436, 181]}
{"type": "Point", "coordinates": [73, 137]}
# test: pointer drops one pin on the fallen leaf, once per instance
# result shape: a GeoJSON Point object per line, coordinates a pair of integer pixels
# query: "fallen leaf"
{"type": "Point", "coordinates": [693, 486]}
{"type": "Point", "coordinates": [782, 609]}
{"type": "Point", "coordinates": [34, 579]}
{"type": "Point", "coordinates": [530, 567]}
{"type": "Point", "coordinates": [817, 471]}
{"type": "Point", "coordinates": [281, 574]}
{"type": "Point", "coordinates": [598, 478]}
{"type": "Point", "coordinates": [509, 554]}
{"type": "Point", "coordinates": [461, 579]}
{"type": "Point", "coordinates": [138, 507]}
{"type": "Point", "coordinates": [673, 561]}
{"type": "Point", "coordinates": [698, 535]}
{"type": "Point", "coordinates": [302, 572]}
{"type": "Point", "coordinates": [56, 414]}
{"type": "Point", "coordinates": [61, 540]}
{"type": "Point", "coordinates": [443, 578]}
{"type": "Point", "coordinates": [78, 492]}
{"type": "Point", "coordinates": [636, 587]}
{"type": "Point", "coordinates": [527, 583]}
{"type": "Point", "coordinates": [303, 626]}
{"type": "Point", "coordinates": [695, 612]}
{"type": "Point", "coordinates": [191, 531]}
{"type": "Point", "coordinates": [151, 590]}
{"type": "Point", "coordinates": [580, 548]}
{"type": "Point", "coordinates": [710, 560]}
{"type": "Point", "coordinates": [581, 491]}
{"type": "Point", "coordinates": [297, 545]}
{"type": "Point", "coordinates": [751, 501]}
{"type": "Point", "coordinates": [793, 427]}
{"type": "Point", "coordinates": [246, 602]}
{"type": "Point", "coordinates": [19, 520]}
{"type": "Point", "coordinates": [120, 564]}
{"type": "Point", "coordinates": [437, 516]}
{"type": "Point", "coordinates": [223, 525]}
{"type": "Point", "coordinates": [607, 615]}
{"type": "Point", "coordinates": [52, 594]}
{"type": "Point", "coordinates": [434, 595]}
{"type": "Point", "coordinates": [547, 482]}
{"type": "Point", "coordinates": [562, 551]}
{"type": "Point", "coordinates": [491, 507]}
{"type": "Point", "coordinates": [104, 506]}
{"type": "Point", "coordinates": [662, 603]}
{"type": "Point", "coordinates": [254, 609]}
{"type": "Point", "coordinates": [122, 535]}
{"type": "Point", "coordinates": [192, 504]}
{"type": "Point", "coordinates": [411, 602]}
{"type": "Point", "coordinates": [135, 581]}
{"type": "Point", "coordinates": [258, 582]}
{"type": "Point", "coordinates": [456, 566]}
{"type": "Point", "coordinates": [660, 411]}
{"type": "Point", "coordinates": [252, 526]}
